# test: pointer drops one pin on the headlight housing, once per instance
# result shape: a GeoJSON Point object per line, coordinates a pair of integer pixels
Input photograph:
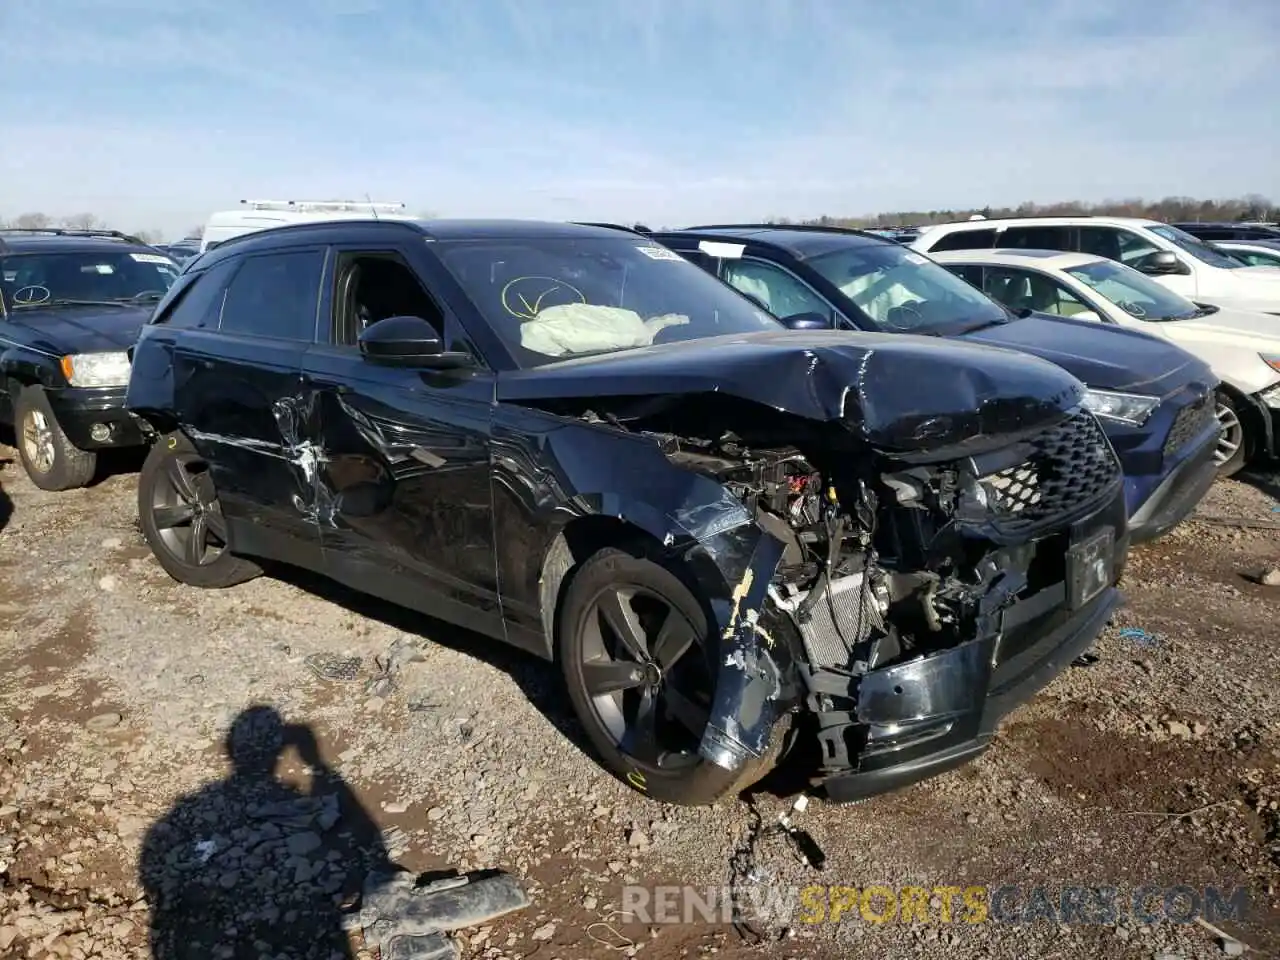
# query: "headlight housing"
{"type": "Point", "coordinates": [1271, 397]}
{"type": "Point", "coordinates": [96, 369]}
{"type": "Point", "coordinates": [1133, 409]}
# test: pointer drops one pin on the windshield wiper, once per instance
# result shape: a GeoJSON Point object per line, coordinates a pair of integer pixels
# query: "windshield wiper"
{"type": "Point", "coordinates": [67, 302]}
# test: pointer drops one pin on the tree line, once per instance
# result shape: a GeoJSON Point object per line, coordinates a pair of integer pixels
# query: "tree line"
{"type": "Point", "coordinates": [1170, 210]}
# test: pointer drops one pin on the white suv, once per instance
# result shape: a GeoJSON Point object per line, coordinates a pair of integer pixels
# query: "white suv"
{"type": "Point", "coordinates": [1187, 266]}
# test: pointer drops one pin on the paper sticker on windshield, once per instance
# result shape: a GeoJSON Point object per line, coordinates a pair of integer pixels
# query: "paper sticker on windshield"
{"type": "Point", "coordinates": [659, 253]}
{"type": "Point", "coordinates": [725, 251]}
{"type": "Point", "coordinates": [915, 258]}
{"type": "Point", "coordinates": [150, 258]}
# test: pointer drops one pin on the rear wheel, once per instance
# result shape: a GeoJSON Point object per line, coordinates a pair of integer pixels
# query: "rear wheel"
{"type": "Point", "coordinates": [1233, 446]}
{"type": "Point", "coordinates": [639, 661]}
{"type": "Point", "coordinates": [51, 460]}
{"type": "Point", "coordinates": [182, 519]}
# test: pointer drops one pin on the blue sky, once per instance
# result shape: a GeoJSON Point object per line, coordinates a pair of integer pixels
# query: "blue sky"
{"type": "Point", "coordinates": [154, 113]}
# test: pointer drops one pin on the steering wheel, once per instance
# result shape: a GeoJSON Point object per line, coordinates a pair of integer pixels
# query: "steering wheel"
{"type": "Point", "coordinates": [909, 309]}
{"type": "Point", "coordinates": [1131, 308]}
{"type": "Point", "coordinates": [29, 297]}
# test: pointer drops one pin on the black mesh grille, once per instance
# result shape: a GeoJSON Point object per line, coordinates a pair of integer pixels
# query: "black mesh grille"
{"type": "Point", "coordinates": [1072, 469]}
{"type": "Point", "coordinates": [1191, 420]}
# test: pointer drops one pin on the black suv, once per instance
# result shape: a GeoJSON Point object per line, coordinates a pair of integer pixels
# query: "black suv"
{"type": "Point", "coordinates": [733, 537]}
{"type": "Point", "coordinates": [71, 304]}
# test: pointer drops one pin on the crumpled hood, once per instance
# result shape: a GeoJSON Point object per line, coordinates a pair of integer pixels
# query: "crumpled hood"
{"type": "Point", "coordinates": [901, 393]}
{"type": "Point", "coordinates": [62, 330]}
{"type": "Point", "coordinates": [1102, 356]}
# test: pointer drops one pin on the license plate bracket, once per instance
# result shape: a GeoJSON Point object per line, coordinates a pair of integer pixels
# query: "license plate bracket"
{"type": "Point", "coordinates": [1090, 566]}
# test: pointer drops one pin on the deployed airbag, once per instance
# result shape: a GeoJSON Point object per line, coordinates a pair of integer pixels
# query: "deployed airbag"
{"type": "Point", "coordinates": [574, 328]}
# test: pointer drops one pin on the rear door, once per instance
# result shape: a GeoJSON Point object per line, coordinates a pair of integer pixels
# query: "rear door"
{"type": "Point", "coordinates": [237, 391]}
{"type": "Point", "coordinates": [403, 484]}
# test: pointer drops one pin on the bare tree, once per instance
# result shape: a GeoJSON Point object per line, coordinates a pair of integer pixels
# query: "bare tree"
{"type": "Point", "coordinates": [428, 214]}
{"type": "Point", "coordinates": [33, 221]}
{"type": "Point", "coordinates": [195, 233]}
{"type": "Point", "coordinates": [80, 221]}
{"type": "Point", "coordinates": [148, 236]}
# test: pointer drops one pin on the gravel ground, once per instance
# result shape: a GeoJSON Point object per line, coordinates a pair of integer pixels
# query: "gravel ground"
{"type": "Point", "coordinates": [444, 752]}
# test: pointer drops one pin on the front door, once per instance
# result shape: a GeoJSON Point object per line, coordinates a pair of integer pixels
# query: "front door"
{"type": "Point", "coordinates": [403, 485]}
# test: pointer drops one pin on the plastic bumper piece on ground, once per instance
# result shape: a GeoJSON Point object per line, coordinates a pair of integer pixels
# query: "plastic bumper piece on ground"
{"type": "Point", "coordinates": [934, 714]}
{"type": "Point", "coordinates": [1176, 497]}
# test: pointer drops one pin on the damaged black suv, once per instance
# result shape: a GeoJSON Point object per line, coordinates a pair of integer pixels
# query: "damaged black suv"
{"type": "Point", "coordinates": [734, 538]}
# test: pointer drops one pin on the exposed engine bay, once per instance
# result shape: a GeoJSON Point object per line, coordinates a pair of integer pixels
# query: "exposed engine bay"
{"type": "Point", "coordinates": [875, 570]}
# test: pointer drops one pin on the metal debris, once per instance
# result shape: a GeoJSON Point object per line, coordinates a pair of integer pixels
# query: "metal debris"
{"type": "Point", "coordinates": [328, 666]}
{"type": "Point", "coordinates": [403, 920]}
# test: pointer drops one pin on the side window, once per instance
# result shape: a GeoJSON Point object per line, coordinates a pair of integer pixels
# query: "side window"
{"type": "Point", "coordinates": [970, 273]}
{"type": "Point", "coordinates": [965, 240]}
{"type": "Point", "coordinates": [782, 294]}
{"type": "Point", "coordinates": [1026, 290]}
{"type": "Point", "coordinates": [1256, 259]}
{"type": "Point", "coordinates": [198, 306]}
{"type": "Point", "coordinates": [371, 286]}
{"type": "Point", "coordinates": [1036, 238]}
{"type": "Point", "coordinates": [275, 295]}
{"type": "Point", "coordinates": [1116, 244]}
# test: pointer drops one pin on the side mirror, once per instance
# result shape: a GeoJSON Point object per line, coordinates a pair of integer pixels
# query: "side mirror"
{"type": "Point", "coordinates": [408, 342]}
{"type": "Point", "coordinates": [1162, 263]}
{"type": "Point", "coordinates": [807, 321]}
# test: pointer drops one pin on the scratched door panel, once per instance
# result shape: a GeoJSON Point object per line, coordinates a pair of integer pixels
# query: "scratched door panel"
{"type": "Point", "coordinates": [403, 487]}
{"type": "Point", "coordinates": [241, 402]}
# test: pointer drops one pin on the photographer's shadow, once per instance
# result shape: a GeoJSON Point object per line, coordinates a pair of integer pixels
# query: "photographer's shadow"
{"type": "Point", "coordinates": [253, 867]}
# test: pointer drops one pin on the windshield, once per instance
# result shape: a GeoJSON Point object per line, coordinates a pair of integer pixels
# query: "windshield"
{"type": "Point", "coordinates": [94, 276]}
{"type": "Point", "coordinates": [552, 299]}
{"type": "Point", "coordinates": [903, 292]}
{"type": "Point", "coordinates": [1133, 292]}
{"type": "Point", "coordinates": [1202, 251]}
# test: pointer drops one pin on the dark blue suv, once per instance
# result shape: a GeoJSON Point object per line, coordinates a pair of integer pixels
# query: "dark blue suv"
{"type": "Point", "coordinates": [1154, 399]}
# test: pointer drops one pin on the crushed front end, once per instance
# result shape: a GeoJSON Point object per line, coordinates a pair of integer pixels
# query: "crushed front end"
{"type": "Point", "coordinates": [913, 600]}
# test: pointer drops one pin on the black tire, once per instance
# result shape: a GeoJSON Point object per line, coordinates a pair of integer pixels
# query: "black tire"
{"type": "Point", "coordinates": [51, 460]}
{"type": "Point", "coordinates": [182, 520]}
{"type": "Point", "coordinates": [1229, 414]}
{"type": "Point", "coordinates": [676, 776]}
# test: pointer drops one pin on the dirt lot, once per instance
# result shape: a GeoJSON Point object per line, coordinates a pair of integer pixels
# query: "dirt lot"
{"type": "Point", "coordinates": [117, 686]}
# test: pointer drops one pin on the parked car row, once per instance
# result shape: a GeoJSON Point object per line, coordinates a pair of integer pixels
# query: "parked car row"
{"type": "Point", "coordinates": [757, 490]}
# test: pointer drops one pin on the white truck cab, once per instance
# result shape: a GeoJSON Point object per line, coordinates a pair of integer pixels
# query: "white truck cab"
{"type": "Point", "coordinates": [1193, 268]}
{"type": "Point", "coordinates": [256, 215]}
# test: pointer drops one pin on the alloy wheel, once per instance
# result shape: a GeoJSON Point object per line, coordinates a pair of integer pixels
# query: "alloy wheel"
{"type": "Point", "coordinates": [186, 512]}
{"type": "Point", "coordinates": [1232, 436]}
{"type": "Point", "coordinates": [646, 675]}
{"type": "Point", "coordinates": [37, 441]}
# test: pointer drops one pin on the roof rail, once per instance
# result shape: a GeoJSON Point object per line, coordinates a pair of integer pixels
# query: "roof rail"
{"type": "Point", "coordinates": [305, 227]}
{"type": "Point", "coordinates": [811, 227]}
{"type": "Point", "coordinates": [637, 228]}
{"type": "Point", "coordinates": [72, 232]}
{"type": "Point", "coordinates": [306, 206]}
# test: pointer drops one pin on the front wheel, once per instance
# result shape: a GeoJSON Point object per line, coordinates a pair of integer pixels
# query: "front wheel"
{"type": "Point", "coordinates": [639, 661]}
{"type": "Point", "coordinates": [182, 519]}
{"type": "Point", "coordinates": [1233, 446]}
{"type": "Point", "coordinates": [51, 460]}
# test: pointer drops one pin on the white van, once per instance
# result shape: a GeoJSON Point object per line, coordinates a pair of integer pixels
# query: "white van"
{"type": "Point", "coordinates": [256, 215]}
{"type": "Point", "coordinates": [1187, 266]}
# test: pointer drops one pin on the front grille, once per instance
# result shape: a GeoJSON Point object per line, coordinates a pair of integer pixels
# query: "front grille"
{"type": "Point", "coordinates": [1190, 422]}
{"type": "Point", "coordinates": [1071, 470]}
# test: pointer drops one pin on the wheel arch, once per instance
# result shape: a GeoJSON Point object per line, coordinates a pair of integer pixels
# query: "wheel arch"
{"type": "Point", "coordinates": [1251, 418]}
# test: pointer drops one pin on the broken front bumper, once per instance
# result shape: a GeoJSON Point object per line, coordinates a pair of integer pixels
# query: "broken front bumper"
{"type": "Point", "coordinates": [928, 716]}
